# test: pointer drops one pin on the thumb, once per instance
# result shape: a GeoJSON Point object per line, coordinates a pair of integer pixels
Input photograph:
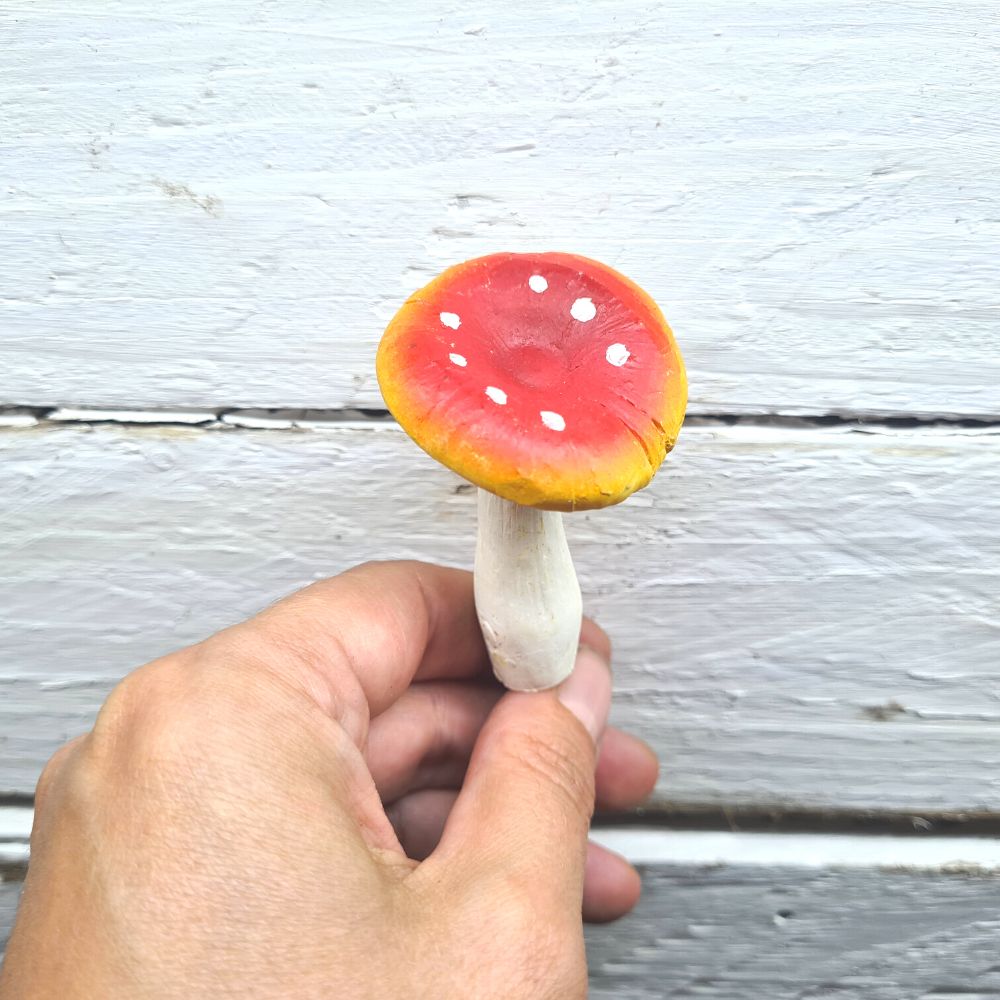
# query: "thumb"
{"type": "Point", "coordinates": [524, 811]}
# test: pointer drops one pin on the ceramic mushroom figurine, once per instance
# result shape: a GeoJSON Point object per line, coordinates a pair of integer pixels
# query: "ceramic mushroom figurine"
{"type": "Point", "coordinates": [553, 383]}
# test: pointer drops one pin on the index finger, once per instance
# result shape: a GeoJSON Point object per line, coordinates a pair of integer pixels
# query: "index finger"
{"type": "Point", "coordinates": [372, 631]}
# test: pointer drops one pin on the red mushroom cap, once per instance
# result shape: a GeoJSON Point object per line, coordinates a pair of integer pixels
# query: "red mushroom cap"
{"type": "Point", "coordinates": [548, 379]}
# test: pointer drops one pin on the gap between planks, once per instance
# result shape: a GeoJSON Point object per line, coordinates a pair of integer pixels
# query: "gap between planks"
{"type": "Point", "coordinates": [650, 846]}
{"type": "Point", "coordinates": [15, 416]}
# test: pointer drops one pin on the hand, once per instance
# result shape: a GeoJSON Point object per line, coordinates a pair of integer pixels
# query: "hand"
{"type": "Point", "coordinates": [333, 799]}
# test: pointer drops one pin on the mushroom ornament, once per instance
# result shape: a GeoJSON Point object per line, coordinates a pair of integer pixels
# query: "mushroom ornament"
{"type": "Point", "coordinates": [554, 384]}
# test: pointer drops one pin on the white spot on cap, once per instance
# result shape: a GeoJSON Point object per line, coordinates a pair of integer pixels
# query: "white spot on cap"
{"type": "Point", "coordinates": [451, 319]}
{"type": "Point", "coordinates": [554, 421]}
{"type": "Point", "coordinates": [457, 359]}
{"type": "Point", "coordinates": [537, 283]}
{"type": "Point", "coordinates": [583, 309]}
{"type": "Point", "coordinates": [497, 395]}
{"type": "Point", "coordinates": [617, 355]}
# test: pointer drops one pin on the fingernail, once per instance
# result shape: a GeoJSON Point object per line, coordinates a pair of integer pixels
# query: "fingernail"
{"type": "Point", "coordinates": [587, 691]}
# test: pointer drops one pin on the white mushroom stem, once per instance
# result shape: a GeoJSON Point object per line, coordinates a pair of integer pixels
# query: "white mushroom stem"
{"type": "Point", "coordinates": [527, 594]}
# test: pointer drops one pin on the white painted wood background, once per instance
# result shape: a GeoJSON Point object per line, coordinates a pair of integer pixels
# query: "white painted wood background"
{"type": "Point", "coordinates": [803, 618]}
{"type": "Point", "coordinates": [217, 203]}
{"type": "Point", "coordinates": [209, 210]}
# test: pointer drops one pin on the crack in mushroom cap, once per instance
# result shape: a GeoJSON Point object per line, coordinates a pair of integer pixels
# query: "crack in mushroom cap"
{"type": "Point", "coordinates": [592, 383]}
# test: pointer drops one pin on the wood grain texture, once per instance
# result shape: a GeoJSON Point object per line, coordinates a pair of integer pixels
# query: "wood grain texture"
{"type": "Point", "coordinates": [804, 618]}
{"type": "Point", "coordinates": [750, 932]}
{"type": "Point", "coordinates": [220, 204]}
{"type": "Point", "coordinates": [746, 933]}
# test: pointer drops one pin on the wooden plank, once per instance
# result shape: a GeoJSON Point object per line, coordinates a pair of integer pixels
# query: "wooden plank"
{"type": "Point", "coordinates": [10, 891]}
{"type": "Point", "coordinates": [740, 932]}
{"type": "Point", "coordinates": [220, 205]}
{"type": "Point", "coordinates": [743, 933]}
{"type": "Point", "coordinates": [803, 618]}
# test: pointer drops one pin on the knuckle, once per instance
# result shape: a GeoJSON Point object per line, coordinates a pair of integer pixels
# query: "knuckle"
{"type": "Point", "coordinates": [159, 713]}
{"type": "Point", "coordinates": [72, 791]}
{"type": "Point", "coordinates": [297, 654]}
{"type": "Point", "coordinates": [54, 769]}
{"type": "Point", "coordinates": [127, 707]}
